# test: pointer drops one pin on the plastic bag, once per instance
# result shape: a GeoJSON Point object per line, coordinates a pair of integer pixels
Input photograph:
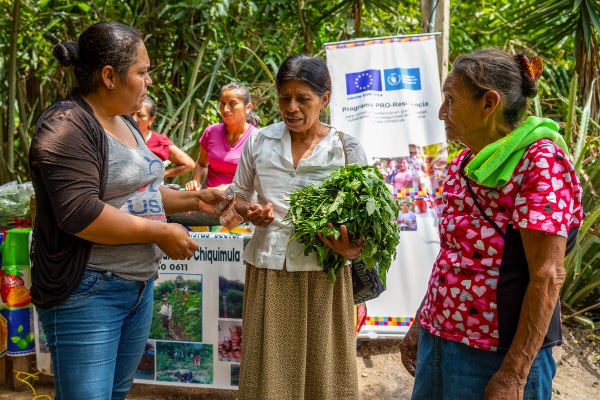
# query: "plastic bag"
{"type": "Point", "coordinates": [14, 199]}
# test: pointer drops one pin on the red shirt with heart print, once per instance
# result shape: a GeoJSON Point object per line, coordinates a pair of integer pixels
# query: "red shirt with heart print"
{"type": "Point", "coordinates": [479, 278]}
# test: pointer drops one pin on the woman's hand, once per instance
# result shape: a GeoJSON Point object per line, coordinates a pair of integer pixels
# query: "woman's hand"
{"type": "Point", "coordinates": [504, 387]}
{"type": "Point", "coordinates": [208, 200]}
{"type": "Point", "coordinates": [176, 243]}
{"type": "Point", "coordinates": [259, 215]}
{"type": "Point", "coordinates": [192, 186]}
{"type": "Point", "coordinates": [408, 347]}
{"type": "Point", "coordinates": [342, 245]}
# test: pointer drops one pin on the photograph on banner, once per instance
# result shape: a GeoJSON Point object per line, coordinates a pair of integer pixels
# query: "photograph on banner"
{"type": "Point", "coordinates": [231, 292]}
{"type": "Point", "coordinates": [177, 304]}
{"type": "Point", "coordinates": [176, 329]}
{"type": "Point", "coordinates": [386, 92]}
{"type": "Point", "coordinates": [196, 333]}
{"type": "Point", "coordinates": [184, 362]}
{"type": "Point", "coordinates": [436, 165]}
{"type": "Point", "coordinates": [230, 340]}
{"type": "Point", "coordinates": [231, 302]}
{"type": "Point", "coordinates": [416, 180]}
{"type": "Point", "coordinates": [407, 219]}
{"type": "Point", "coordinates": [145, 368]}
{"type": "Point", "coordinates": [235, 374]}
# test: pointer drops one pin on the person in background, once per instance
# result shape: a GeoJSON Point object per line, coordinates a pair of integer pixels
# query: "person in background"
{"type": "Point", "coordinates": [298, 326]}
{"type": "Point", "coordinates": [416, 166]}
{"type": "Point", "coordinates": [165, 312]}
{"type": "Point", "coordinates": [415, 160]}
{"type": "Point", "coordinates": [100, 229]}
{"type": "Point", "coordinates": [391, 168]}
{"type": "Point", "coordinates": [407, 220]}
{"type": "Point", "coordinates": [184, 375]}
{"type": "Point", "coordinates": [383, 172]}
{"type": "Point", "coordinates": [491, 313]}
{"type": "Point", "coordinates": [380, 168]}
{"type": "Point", "coordinates": [160, 144]}
{"type": "Point", "coordinates": [221, 144]}
{"type": "Point", "coordinates": [403, 177]}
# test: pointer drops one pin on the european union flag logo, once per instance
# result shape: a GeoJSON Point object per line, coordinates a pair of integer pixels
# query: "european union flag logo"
{"type": "Point", "coordinates": [402, 78]}
{"type": "Point", "coordinates": [358, 82]}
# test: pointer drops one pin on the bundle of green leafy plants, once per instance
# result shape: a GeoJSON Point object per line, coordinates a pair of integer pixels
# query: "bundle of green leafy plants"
{"type": "Point", "coordinates": [355, 196]}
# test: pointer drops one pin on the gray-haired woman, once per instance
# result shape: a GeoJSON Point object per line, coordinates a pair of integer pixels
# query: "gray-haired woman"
{"type": "Point", "coordinates": [491, 313]}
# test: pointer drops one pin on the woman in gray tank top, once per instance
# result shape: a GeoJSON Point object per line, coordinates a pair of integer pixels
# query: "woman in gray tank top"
{"type": "Point", "coordinates": [101, 225]}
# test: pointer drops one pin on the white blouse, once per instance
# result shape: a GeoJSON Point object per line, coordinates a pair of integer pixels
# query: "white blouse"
{"type": "Point", "coordinates": [266, 168]}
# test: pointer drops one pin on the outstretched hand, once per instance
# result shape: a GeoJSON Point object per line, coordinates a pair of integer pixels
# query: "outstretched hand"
{"type": "Point", "coordinates": [208, 200]}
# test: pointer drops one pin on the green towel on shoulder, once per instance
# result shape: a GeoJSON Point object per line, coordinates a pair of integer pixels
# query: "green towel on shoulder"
{"type": "Point", "coordinates": [495, 164]}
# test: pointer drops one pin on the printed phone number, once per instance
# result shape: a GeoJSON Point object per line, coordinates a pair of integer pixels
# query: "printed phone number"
{"type": "Point", "coordinates": [173, 267]}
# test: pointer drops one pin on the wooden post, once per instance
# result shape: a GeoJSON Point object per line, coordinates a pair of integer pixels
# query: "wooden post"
{"type": "Point", "coordinates": [438, 20]}
{"type": "Point", "coordinates": [442, 24]}
{"type": "Point", "coordinates": [20, 363]}
{"type": "Point", "coordinates": [2, 371]}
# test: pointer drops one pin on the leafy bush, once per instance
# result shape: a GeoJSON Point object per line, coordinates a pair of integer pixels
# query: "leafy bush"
{"type": "Point", "coordinates": [580, 294]}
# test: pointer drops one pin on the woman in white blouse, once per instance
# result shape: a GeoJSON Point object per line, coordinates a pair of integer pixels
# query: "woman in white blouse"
{"type": "Point", "coordinates": [298, 327]}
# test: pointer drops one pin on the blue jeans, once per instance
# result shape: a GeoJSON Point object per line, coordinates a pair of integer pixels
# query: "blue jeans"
{"type": "Point", "coordinates": [454, 371]}
{"type": "Point", "coordinates": [97, 336]}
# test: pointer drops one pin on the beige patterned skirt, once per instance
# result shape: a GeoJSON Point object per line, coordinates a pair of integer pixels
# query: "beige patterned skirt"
{"type": "Point", "coordinates": [298, 336]}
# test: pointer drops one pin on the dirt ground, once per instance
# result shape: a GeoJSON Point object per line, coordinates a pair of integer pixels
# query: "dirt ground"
{"type": "Point", "coordinates": [382, 376]}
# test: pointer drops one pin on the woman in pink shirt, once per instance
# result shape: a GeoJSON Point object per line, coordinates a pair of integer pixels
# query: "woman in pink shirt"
{"type": "Point", "coordinates": [221, 144]}
{"type": "Point", "coordinates": [403, 177]}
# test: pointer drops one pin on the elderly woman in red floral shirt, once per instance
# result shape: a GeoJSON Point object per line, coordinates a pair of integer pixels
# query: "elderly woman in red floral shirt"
{"type": "Point", "coordinates": [491, 314]}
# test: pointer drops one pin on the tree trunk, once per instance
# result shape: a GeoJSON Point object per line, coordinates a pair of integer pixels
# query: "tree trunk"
{"type": "Point", "coordinates": [357, 17]}
{"type": "Point", "coordinates": [9, 158]}
{"type": "Point", "coordinates": [308, 44]}
{"type": "Point", "coordinates": [438, 20]}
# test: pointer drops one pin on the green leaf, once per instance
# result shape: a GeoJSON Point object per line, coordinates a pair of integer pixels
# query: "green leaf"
{"type": "Point", "coordinates": [371, 206]}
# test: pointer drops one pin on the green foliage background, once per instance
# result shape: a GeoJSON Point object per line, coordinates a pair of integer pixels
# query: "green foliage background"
{"type": "Point", "coordinates": [197, 46]}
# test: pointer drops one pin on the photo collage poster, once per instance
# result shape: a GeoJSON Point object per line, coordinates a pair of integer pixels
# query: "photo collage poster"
{"type": "Point", "coordinates": [416, 181]}
{"type": "Point", "coordinates": [196, 333]}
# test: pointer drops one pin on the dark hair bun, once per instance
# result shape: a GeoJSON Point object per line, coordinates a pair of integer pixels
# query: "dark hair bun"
{"type": "Point", "coordinates": [66, 53]}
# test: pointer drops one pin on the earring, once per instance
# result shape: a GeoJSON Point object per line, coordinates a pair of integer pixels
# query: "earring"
{"type": "Point", "coordinates": [112, 86]}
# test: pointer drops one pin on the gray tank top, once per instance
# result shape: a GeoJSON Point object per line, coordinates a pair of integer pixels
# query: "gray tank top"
{"type": "Point", "coordinates": [134, 177]}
